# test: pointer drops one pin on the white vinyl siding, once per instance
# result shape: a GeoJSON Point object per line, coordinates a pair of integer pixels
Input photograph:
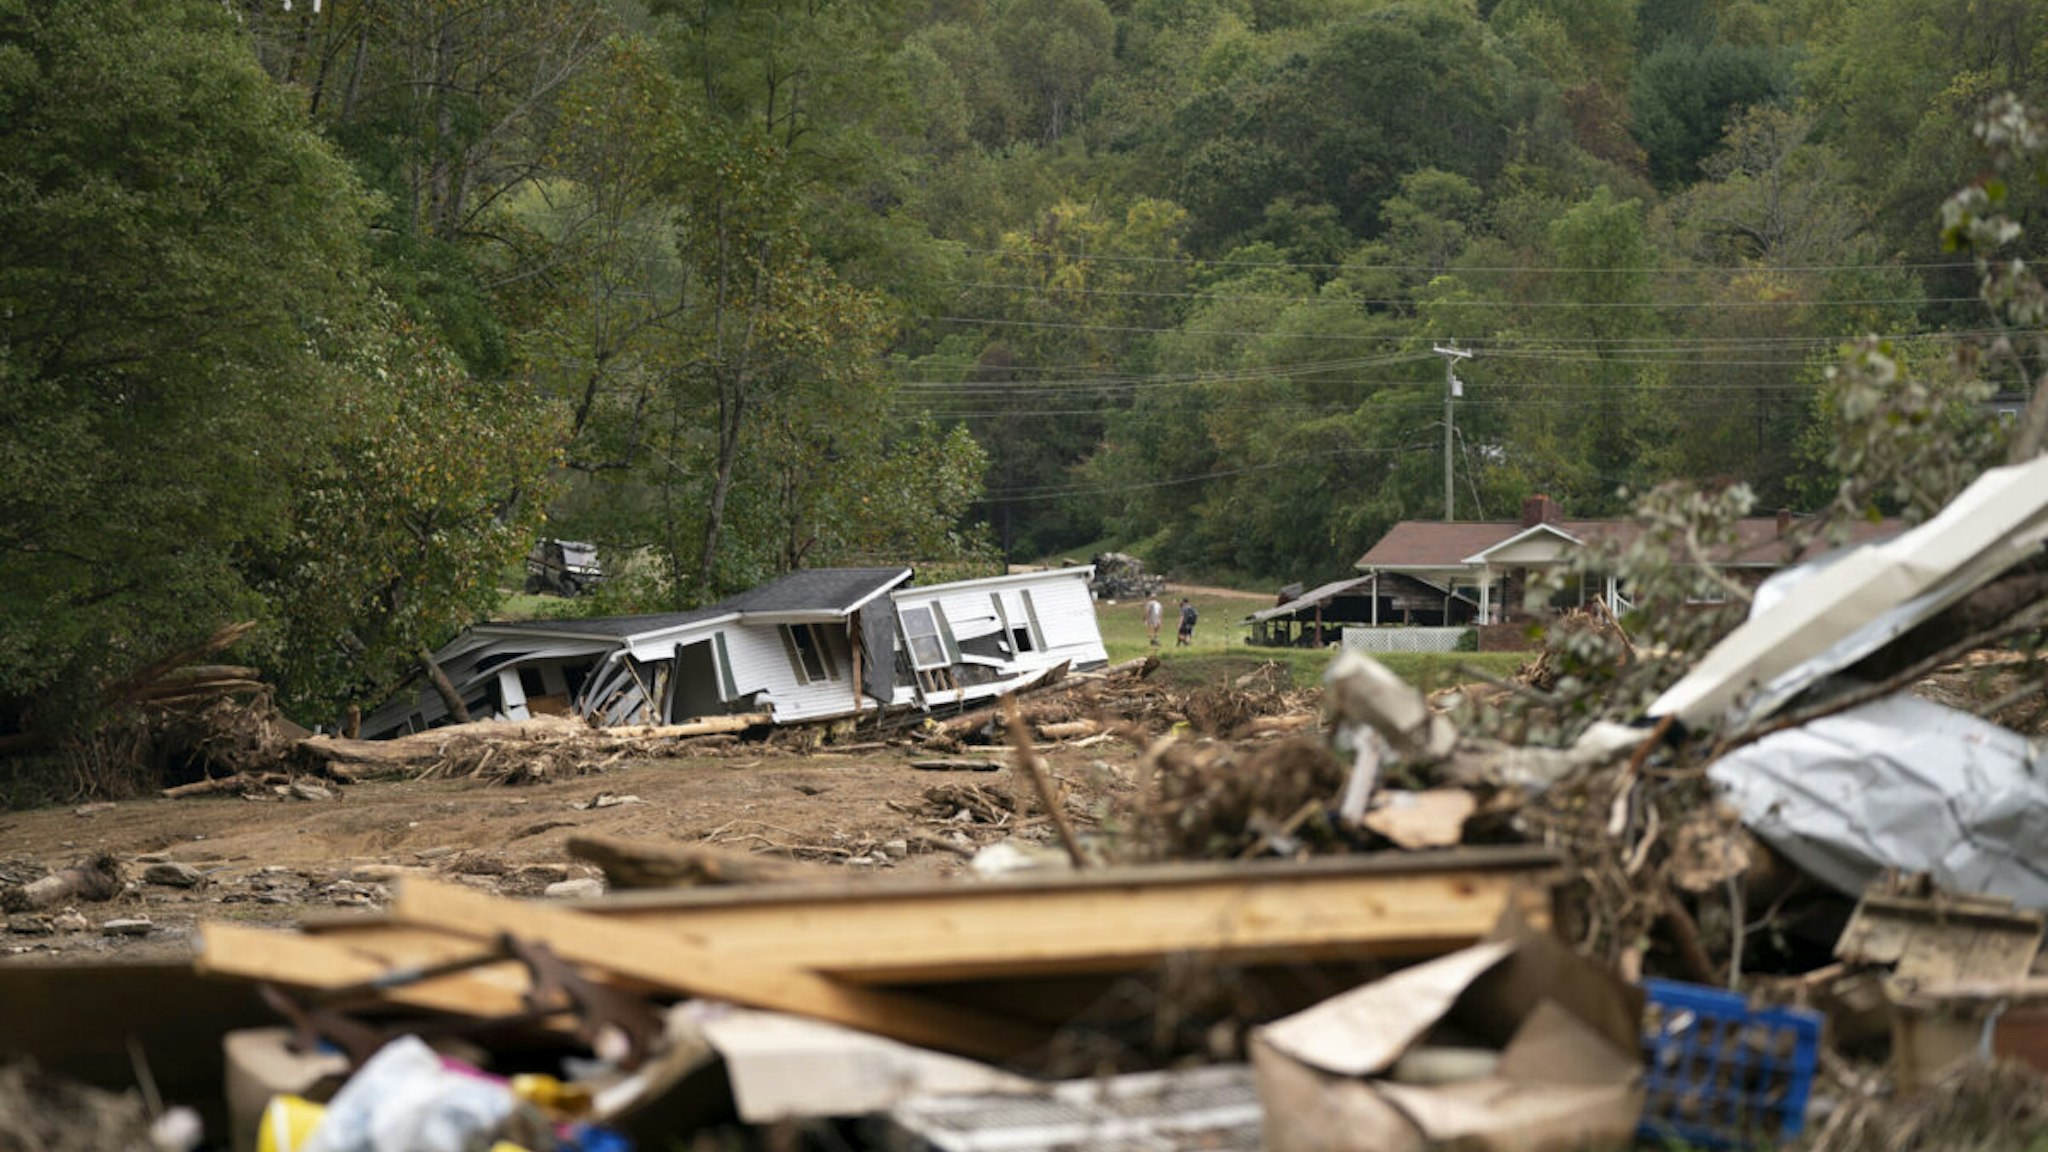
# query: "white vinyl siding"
{"type": "Point", "coordinates": [1059, 612]}
{"type": "Point", "coordinates": [1066, 616]}
{"type": "Point", "coordinates": [760, 663]}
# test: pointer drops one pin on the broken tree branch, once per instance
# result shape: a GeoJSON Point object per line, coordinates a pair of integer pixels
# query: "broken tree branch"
{"type": "Point", "coordinates": [1028, 761]}
{"type": "Point", "coordinates": [450, 698]}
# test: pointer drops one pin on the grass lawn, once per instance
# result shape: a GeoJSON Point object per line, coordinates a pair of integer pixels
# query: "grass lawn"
{"type": "Point", "coordinates": [1219, 653]}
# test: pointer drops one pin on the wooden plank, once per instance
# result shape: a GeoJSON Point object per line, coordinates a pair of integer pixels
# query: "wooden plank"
{"type": "Point", "coordinates": [339, 961]}
{"type": "Point", "coordinates": [1398, 905]}
{"type": "Point", "coordinates": [689, 968]}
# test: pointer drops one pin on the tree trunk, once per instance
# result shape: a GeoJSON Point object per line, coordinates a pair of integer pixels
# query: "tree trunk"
{"type": "Point", "coordinates": [449, 696]}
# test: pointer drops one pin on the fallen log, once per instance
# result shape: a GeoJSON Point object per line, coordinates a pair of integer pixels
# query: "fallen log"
{"type": "Point", "coordinates": [704, 726]}
{"type": "Point", "coordinates": [637, 864]}
{"type": "Point", "coordinates": [239, 782]}
{"type": "Point", "coordinates": [1068, 730]}
{"type": "Point", "coordinates": [974, 718]}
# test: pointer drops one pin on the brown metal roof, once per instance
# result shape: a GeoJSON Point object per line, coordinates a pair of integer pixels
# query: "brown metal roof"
{"type": "Point", "coordinates": [1435, 544]}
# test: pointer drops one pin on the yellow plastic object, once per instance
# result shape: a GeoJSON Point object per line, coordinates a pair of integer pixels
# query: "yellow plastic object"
{"type": "Point", "coordinates": [552, 1096]}
{"type": "Point", "coordinates": [288, 1122]}
{"type": "Point", "coordinates": [508, 1146]}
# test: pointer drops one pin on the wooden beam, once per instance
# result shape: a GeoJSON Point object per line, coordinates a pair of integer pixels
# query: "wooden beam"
{"type": "Point", "coordinates": [340, 961]}
{"type": "Point", "coordinates": [1391, 905]}
{"type": "Point", "coordinates": [691, 969]}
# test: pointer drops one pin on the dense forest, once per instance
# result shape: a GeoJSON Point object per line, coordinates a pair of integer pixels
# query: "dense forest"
{"type": "Point", "coordinates": [316, 313]}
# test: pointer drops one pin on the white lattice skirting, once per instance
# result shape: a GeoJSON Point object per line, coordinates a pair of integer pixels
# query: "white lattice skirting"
{"type": "Point", "coordinates": [1374, 640]}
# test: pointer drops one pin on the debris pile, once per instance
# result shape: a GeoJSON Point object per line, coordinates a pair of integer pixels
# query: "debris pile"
{"type": "Point", "coordinates": [1119, 576]}
{"type": "Point", "coordinates": [1787, 900]}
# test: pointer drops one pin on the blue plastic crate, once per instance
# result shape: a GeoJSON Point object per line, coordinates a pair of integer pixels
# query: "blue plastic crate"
{"type": "Point", "coordinates": [1720, 1074]}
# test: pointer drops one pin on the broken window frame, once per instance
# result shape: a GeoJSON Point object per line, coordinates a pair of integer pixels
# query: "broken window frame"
{"type": "Point", "coordinates": [913, 641]}
{"type": "Point", "coordinates": [1023, 635]}
{"type": "Point", "coordinates": [806, 645]}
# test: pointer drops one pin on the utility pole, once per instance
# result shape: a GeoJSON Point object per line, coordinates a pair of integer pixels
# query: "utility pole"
{"type": "Point", "coordinates": [1453, 388]}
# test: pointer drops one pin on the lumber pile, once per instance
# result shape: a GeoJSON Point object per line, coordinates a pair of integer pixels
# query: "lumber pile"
{"type": "Point", "coordinates": [870, 955]}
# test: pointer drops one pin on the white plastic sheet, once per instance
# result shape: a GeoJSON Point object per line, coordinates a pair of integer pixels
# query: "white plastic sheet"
{"type": "Point", "coordinates": [1900, 783]}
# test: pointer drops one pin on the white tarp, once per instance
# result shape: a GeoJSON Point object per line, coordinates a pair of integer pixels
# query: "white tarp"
{"type": "Point", "coordinates": [1828, 619]}
{"type": "Point", "coordinates": [1900, 783]}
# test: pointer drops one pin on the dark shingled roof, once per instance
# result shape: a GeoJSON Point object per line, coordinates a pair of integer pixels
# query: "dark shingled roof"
{"type": "Point", "coordinates": [810, 590]}
{"type": "Point", "coordinates": [817, 590]}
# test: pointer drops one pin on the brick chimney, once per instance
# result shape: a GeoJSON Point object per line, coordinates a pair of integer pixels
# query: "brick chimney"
{"type": "Point", "coordinates": [1540, 509]}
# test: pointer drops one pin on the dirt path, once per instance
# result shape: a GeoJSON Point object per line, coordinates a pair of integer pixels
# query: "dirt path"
{"type": "Point", "coordinates": [275, 860]}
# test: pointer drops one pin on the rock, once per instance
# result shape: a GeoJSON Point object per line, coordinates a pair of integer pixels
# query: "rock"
{"type": "Point", "coordinates": [173, 875]}
{"type": "Point", "coordinates": [29, 925]}
{"type": "Point", "coordinates": [310, 790]}
{"type": "Point", "coordinates": [350, 894]}
{"type": "Point", "coordinates": [128, 926]}
{"type": "Point", "coordinates": [581, 888]}
{"type": "Point", "coordinates": [71, 920]}
{"type": "Point", "coordinates": [896, 849]}
{"type": "Point", "coordinates": [91, 809]}
{"type": "Point", "coordinates": [95, 879]}
{"type": "Point", "coordinates": [526, 880]}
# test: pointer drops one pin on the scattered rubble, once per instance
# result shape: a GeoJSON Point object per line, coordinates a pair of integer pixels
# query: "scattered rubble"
{"type": "Point", "coordinates": [1356, 918]}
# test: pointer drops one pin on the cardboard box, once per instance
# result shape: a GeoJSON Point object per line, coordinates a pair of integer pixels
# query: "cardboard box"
{"type": "Point", "coordinates": [1568, 1076]}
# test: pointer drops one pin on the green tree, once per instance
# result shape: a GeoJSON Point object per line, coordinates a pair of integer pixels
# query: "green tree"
{"type": "Point", "coordinates": [1684, 95]}
{"type": "Point", "coordinates": [432, 485]}
{"type": "Point", "coordinates": [177, 248]}
{"type": "Point", "coordinates": [1054, 50]}
{"type": "Point", "coordinates": [1340, 117]}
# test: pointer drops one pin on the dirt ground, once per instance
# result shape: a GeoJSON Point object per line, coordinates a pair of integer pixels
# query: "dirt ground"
{"type": "Point", "coordinates": [274, 860]}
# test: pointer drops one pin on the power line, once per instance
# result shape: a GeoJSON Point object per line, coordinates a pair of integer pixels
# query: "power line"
{"type": "Point", "coordinates": [1064, 325]}
{"type": "Point", "coordinates": [1516, 269]}
{"type": "Point", "coordinates": [1353, 301]}
{"type": "Point", "coordinates": [1057, 492]}
{"type": "Point", "coordinates": [1494, 344]}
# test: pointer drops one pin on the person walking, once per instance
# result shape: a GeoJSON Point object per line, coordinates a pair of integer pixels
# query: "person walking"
{"type": "Point", "coordinates": [1187, 624]}
{"type": "Point", "coordinates": [1154, 614]}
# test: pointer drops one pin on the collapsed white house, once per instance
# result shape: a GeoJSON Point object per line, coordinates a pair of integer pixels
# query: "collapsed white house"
{"type": "Point", "coordinates": [813, 645]}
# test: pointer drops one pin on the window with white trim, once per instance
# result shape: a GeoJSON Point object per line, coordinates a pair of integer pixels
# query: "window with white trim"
{"type": "Point", "coordinates": [921, 632]}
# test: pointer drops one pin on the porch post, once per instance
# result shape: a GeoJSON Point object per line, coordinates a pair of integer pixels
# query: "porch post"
{"type": "Point", "coordinates": [1486, 593]}
{"type": "Point", "coordinates": [1375, 599]}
